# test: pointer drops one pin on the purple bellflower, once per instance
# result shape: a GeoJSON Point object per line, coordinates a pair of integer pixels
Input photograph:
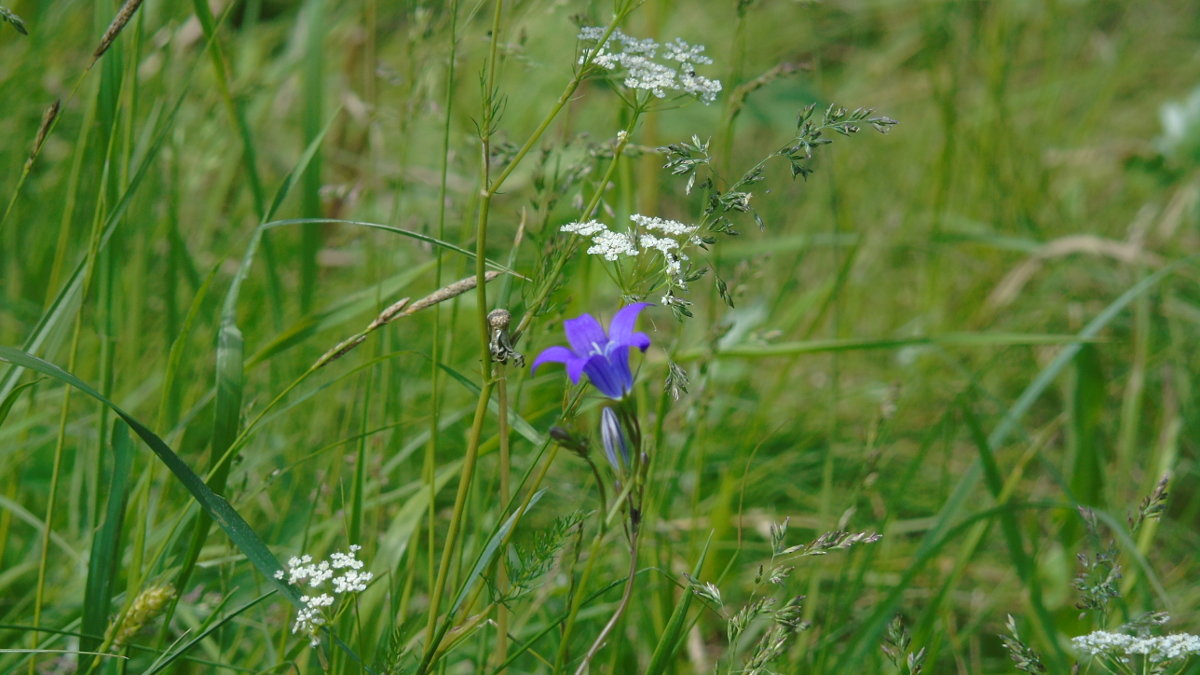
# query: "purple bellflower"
{"type": "Point", "coordinates": [603, 356]}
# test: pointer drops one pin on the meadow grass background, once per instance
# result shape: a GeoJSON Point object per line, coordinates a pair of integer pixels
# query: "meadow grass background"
{"type": "Point", "coordinates": [908, 314]}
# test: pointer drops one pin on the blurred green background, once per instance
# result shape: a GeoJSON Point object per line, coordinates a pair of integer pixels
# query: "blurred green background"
{"type": "Point", "coordinates": [1047, 161]}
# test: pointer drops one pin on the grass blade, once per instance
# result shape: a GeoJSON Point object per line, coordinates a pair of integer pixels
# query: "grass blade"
{"type": "Point", "coordinates": [337, 314]}
{"type": "Point", "coordinates": [489, 553]}
{"type": "Point", "coordinates": [175, 653]}
{"type": "Point", "coordinates": [239, 531]}
{"type": "Point", "coordinates": [395, 230]}
{"type": "Point", "coordinates": [9, 401]}
{"type": "Point", "coordinates": [54, 320]}
{"type": "Point", "coordinates": [672, 637]}
{"type": "Point", "coordinates": [872, 628]}
{"type": "Point", "coordinates": [860, 344]}
{"type": "Point", "coordinates": [1013, 539]}
{"type": "Point", "coordinates": [106, 544]}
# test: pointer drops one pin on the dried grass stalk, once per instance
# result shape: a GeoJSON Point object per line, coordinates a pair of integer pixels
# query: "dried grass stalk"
{"type": "Point", "coordinates": [114, 29]}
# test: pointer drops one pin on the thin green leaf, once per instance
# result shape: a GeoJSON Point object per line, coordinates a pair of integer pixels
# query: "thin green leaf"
{"type": "Point", "coordinates": [337, 314]}
{"type": "Point", "coordinates": [489, 553]}
{"type": "Point", "coordinates": [174, 653]}
{"type": "Point", "coordinates": [861, 344]}
{"type": "Point", "coordinates": [1088, 455]}
{"type": "Point", "coordinates": [518, 423]}
{"type": "Point", "coordinates": [229, 520]}
{"type": "Point", "coordinates": [106, 545]}
{"type": "Point", "coordinates": [226, 421]}
{"type": "Point", "coordinates": [234, 107]}
{"type": "Point", "coordinates": [54, 321]}
{"type": "Point", "coordinates": [229, 309]}
{"type": "Point", "coordinates": [395, 230]}
{"type": "Point", "coordinates": [872, 628]}
{"type": "Point", "coordinates": [673, 635]}
{"type": "Point", "coordinates": [169, 405]}
{"type": "Point", "coordinates": [9, 401]}
{"type": "Point", "coordinates": [1012, 537]}
{"type": "Point", "coordinates": [25, 516]}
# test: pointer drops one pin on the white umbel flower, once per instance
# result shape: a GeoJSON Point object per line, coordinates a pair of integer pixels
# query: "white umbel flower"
{"type": "Point", "coordinates": [641, 67]}
{"type": "Point", "coordinates": [1155, 648]}
{"type": "Point", "coordinates": [670, 227]}
{"type": "Point", "coordinates": [584, 229]}
{"type": "Point", "coordinates": [345, 571]}
{"type": "Point", "coordinates": [612, 245]}
{"type": "Point", "coordinates": [650, 234]}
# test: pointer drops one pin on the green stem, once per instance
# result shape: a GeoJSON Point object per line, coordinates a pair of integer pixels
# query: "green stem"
{"type": "Point", "coordinates": [577, 600]}
{"type": "Point", "coordinates": [563, 99]}
{"type": "Point", "coordinates": [620, 611]}
{"type": "Point", "coordinates": [543, 293]}
{"type": "Point", "coordinates": [431, 447]}
{"type": "Point", "coordinates": [490, 189]}
{"type": "Point", "coordinates": [501, 566]}
{"type": "Point", "coordinates": [460, 500]}
{"type": "Point", "coordinates": [52, 502]}
{"type": "Point", "coordinates": [464, 482]}
{"type": "Point", "coordinates": [521, 510]}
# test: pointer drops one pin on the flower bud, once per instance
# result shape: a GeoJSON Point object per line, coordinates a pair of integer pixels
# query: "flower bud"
{"type": "Point", "coordinates": [616, 448]}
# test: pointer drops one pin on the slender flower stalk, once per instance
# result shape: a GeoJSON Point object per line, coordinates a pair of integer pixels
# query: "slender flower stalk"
{"type": "Point", "coordinates": [626, 595]}
{"type": "Point", "coordinates": [468, 468]}
{"type": "Point", "coordinates": [490, 188]}
{"type": "Point", "coordinates": [603, 355]}
{"type": "Point", "coordinates": [576, 599]}
{"type": "Point", "coordinates": [502, 563]}
{"type": "Point", "coordinates": [543, 293]}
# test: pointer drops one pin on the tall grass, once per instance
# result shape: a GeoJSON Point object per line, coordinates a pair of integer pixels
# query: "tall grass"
{"type": "Point", "coordinates": [266, 241]}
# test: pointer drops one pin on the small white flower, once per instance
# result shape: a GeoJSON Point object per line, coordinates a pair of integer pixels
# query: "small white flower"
{"type": "Point", "coordinates": [670, 227]}
{"type": "Point", "coordinates": [678, 50]}
{"type": "Point", "coordinates": [351, 581]}
{"type": "Point", "coordinates": [591, 33]}
{"type": "Point", "coordinates": [584, 229]}
{"type": "Point", "coordinates": [612, 245]}
{"type": "Point", "coordinates": [1156, 648]}
{"type": "Point", "coordinates": [622, 137]}
{"type": "Point", "coordinates": [642, 67]}
{"type": "Point", "coordinates": [650, 234]}
{"type": "Point", "coordinates": [660, 243]}
{"type": "Point", "coordinates": [315, 610]}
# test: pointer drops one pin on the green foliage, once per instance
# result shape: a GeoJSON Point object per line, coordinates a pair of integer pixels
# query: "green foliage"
{"type": "Point", "coordinates": [969, 343]}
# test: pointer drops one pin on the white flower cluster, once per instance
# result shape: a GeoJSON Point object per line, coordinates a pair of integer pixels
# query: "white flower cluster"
{"type": "Point", "coordinates": [613, 245]}
{"type": "Point", "coordinates": [1156, 648]}
{"type": "Point", "coordinates": [345, 571]}
{"type": "Point", "coordinates": [671, 227]}
{"type": "Point", "coordinates": [638, 60]}
{"type": "Point", "coordinates": [1180, 124]}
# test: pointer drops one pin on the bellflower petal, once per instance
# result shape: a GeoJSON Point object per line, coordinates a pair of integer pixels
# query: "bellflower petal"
{"type": "Point", "coordinates": [585, 334]}
{"type": "Point", "coordinates": [604, 357]}
{"type": "Point", "coordinates": [575, 369]}
{"type": "Point", "coordinates": [604, 377]}
{"type": "Point", "coordinates": [553, 355]}
{"type": "Point", "coordinates": [620, 330]}
{"type": "Point", "coordinates": [619, 363]}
